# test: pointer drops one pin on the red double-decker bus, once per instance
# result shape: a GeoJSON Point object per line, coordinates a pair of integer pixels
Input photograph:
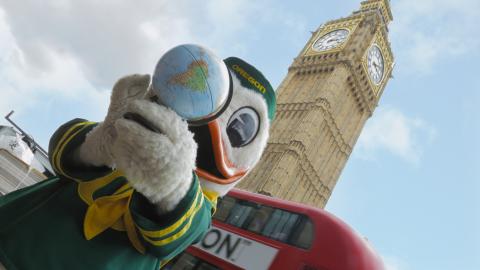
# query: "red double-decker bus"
{"type": "Point", "coordinates": [252, 231]}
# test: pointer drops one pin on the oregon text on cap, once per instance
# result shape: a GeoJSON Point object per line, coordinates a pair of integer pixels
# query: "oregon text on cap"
{"type": "Point", "coordinates": [250, 79]}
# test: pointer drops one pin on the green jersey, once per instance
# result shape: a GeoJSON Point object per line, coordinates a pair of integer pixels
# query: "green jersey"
{"type": "Point", "coordinates": [91, 218]}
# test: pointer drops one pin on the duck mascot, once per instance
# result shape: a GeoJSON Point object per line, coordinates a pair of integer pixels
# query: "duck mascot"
{"type": "Point", "coordinates": [135, 190]}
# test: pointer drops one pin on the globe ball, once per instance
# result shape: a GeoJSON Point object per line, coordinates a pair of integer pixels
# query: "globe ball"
{"type": "Point", "coordinates": [192, 81]}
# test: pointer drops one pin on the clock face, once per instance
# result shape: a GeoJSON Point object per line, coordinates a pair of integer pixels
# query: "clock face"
{"type": "Point", "coordinates": [330, 40]}
{"type": "Point", "coordinates": [375, 64]}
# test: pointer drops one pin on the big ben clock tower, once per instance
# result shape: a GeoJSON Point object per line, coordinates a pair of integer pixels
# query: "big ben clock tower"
{"type": "Point", "coordinates": [332, 87]}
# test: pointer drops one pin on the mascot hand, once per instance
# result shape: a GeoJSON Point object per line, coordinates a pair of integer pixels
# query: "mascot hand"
{"type": "Point", "coordinates": [96, 150]}
{"type": "Point", "coordinates": [156, 152]}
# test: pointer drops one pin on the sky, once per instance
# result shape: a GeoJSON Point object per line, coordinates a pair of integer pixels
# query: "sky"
{"type": "Point", "coordinates": [411, 185]}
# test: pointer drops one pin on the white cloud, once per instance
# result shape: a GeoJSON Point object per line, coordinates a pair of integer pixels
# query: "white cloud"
{"type": "Point", "coordinates": [426, 32]}
{"type": "Point", "coordinates": [23, 85]}
{"type": "Point", "coordinates": [391, 131]}
{"type": "Point", "coordinates": [103, 38]}
{"type": "Point", "coordinates": [77, 49]}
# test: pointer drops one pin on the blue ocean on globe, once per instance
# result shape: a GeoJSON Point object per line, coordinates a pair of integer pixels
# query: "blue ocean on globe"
{"type": "Point", "coordinates": [190, 80]}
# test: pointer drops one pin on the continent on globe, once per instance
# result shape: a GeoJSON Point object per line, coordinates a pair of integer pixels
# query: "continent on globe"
{"type": "Point", "coordinates": [194, 78]}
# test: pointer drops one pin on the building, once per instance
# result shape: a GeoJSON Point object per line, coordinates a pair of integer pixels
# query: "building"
{"type": "Point", "coordinates": [332, 87]}
{"type": "Point", "coordinates": [21, 163]}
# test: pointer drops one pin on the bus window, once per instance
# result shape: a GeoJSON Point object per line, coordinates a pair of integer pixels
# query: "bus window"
{"type": "Point", "coordinates": [239, 214]}
{"type": "Point", "coordinates": [303, 236]}
{"type": "Point", "coordinates": [280, 225]}
{"type": "Point", "coordinates": [259, 219]}
{"type": "Point", "coordinates": [225, 204]}
{"type": "Point", "coordinates": [273, 223]}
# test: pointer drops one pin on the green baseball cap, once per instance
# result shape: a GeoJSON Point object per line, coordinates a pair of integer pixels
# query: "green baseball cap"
{"type": "Point", "coordinates": [253, 79]}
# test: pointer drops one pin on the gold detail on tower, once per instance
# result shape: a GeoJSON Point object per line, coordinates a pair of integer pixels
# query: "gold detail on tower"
{"type": "Point", "coordinates": [382, 5]}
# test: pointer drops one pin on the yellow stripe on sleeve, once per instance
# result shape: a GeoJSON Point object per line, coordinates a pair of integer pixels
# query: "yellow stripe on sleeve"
{"type": "Point", "coordinates": [64, 141]}
{"type": "Point", "coordinates": [179, 234]}
{"type": "Point", "coordinates": [61, 141]}
{"type": "Point", "coordinates": [191, 211]}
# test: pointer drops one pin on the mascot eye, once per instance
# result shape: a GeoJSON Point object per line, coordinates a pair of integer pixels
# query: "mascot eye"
{"type": "Point", "coordinates": [243, 126]}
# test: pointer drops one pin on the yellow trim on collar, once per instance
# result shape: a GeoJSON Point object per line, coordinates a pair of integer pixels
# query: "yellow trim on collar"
{"type": "Point", "coordinates": [86, 189]}
{"type": "Point", "coordinates": [212, 197]}
{"type": "Point", "coordinates": [110, 211]}
{"type": "Point", "coordinates": [104, 213]}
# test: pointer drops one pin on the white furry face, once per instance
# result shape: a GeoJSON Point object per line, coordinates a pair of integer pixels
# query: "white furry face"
{"type": "Point", "coordinates": [243, 155]}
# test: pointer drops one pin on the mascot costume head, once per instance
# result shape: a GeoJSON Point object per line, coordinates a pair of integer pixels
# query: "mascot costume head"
{"type": "Point", "coordinates": [231, 145]}
{"type": "Point", "coordinates": [138, 188]}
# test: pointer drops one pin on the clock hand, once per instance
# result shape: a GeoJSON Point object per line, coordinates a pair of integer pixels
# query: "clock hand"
{"type": "Point", "coordinates": [377, 67]}
{"type": "Point", "coordinates": [332, 40]}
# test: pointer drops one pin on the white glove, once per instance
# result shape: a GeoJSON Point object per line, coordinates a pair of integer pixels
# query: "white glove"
{"type": "Point", "coordinates": [96, 150]}
{"type": "Point", "coordinates": [158, 165]}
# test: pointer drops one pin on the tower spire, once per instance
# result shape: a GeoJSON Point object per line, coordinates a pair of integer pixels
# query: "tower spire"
{"type": "Point", "coordinates": [380, 6]}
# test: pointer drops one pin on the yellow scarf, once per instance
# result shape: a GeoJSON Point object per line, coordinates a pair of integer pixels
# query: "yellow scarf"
{"type": "Point", "coordinates": [110, 211]}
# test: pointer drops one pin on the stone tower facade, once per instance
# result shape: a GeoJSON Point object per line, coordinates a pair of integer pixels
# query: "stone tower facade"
{"type": "Point", "coordinates": [331, 89]}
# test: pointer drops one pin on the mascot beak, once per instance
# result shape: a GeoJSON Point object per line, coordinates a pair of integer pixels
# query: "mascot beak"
{"type": "Point", "coordinates": [220, 170]}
